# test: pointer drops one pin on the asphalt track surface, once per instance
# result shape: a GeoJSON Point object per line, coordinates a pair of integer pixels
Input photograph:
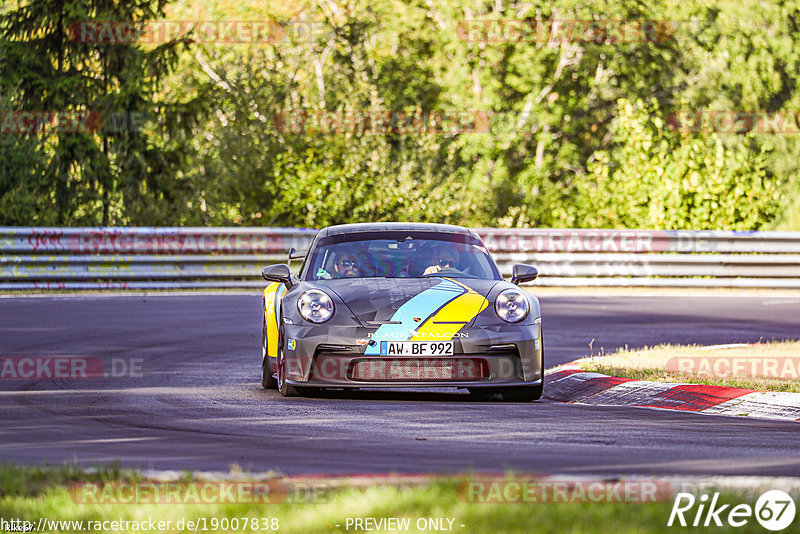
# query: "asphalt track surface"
{"type": "Point", "coordinates": [198, 403]}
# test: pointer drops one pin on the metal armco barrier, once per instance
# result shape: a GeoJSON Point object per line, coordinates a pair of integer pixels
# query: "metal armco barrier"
{"type": "Point", "coordinates": [142, 258]}
{"type": "Point", "coordinates": [651, 258]}
{"type": "Point", "coordinates": [185, 258]}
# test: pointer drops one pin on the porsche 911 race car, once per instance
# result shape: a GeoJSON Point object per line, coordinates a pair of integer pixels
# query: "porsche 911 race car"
{"type": "Point", "coordinates": [399, 305]}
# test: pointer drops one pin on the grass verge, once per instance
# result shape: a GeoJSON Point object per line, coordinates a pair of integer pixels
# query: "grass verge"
{"type": "Point", "coordinates": [33, 493]}
{"type": "Point", "coordinates": [771, 366]}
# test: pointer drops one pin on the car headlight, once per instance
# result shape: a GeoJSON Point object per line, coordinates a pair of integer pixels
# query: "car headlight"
{"type": "Point", "coordinates": [315, 306]}
{"type": "Point", "coordinates": [511, 306]}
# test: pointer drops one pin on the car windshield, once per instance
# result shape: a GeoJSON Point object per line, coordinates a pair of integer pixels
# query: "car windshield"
{"type": "Point", "coordinates": [400, 255]}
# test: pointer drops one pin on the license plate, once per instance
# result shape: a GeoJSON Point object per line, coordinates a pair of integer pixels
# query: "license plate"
{"type": "Point", "coordinates": [416, 348]}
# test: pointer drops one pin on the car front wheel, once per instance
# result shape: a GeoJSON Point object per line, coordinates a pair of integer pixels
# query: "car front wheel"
{"type": "Point", "coordinates": [522, 394]}
{"type": "Point", "coordinates": [526, 393]}
{"type": "Point", "coordinates": [285, 389]}
{"type": "Point", "coordinates": [268, 380]}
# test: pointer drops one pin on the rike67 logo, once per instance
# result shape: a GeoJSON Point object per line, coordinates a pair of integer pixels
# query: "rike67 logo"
{"type": "Point", "coordinates": [774, 510]}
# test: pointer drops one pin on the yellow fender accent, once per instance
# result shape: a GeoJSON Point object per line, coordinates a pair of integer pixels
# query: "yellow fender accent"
{"type": "Point", "coordinates": [273, 294]}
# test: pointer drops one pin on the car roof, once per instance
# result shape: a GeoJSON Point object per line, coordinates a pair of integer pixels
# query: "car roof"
{"type": "Point", "coordinates": [394, 226]}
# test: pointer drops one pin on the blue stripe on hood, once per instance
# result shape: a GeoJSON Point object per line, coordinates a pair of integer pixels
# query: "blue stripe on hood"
{"type": "Point", "coordinates": [422, 305]}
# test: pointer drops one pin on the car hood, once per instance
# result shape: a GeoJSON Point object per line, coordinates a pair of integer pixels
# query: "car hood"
{"type": "Point", "coordinates": [412, 302]}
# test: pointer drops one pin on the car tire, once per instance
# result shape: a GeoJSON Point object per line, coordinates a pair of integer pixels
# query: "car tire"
{"type": "Point", "coordinates": [482, 393]}
{"type": "Point", "coordinates": [526, 393]}
{"type": "Point", "coordinates": [285, 389]}
{"type": "Point", "coordinates": [268, 380]}
{"type": "Point", "coordinates": [522, 393]}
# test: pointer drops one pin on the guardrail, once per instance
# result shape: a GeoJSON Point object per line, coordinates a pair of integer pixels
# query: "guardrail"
{"type": "Point", "coordinates": [172, 258]}
{"type": "Point", "coordinates": [651, 258]}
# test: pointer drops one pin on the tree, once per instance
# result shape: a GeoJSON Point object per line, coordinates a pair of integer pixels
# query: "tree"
{"type": "Point", "coordinates": [105, 168]}
{"type": "Point", "coordinates": [658, 178]}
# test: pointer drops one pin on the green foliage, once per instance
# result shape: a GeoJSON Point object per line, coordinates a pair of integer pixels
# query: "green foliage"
{"type": "Point", "coordinates": [114, 175]}
{"type": "Point", "coordinates": [657, 178]}
{"type": "Point", "coordinates": [578, 135]}
{"type": "Point", "coordinates": [23, 186]}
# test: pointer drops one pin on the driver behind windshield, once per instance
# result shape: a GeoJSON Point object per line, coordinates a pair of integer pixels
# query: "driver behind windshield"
{"type": "Point", "coordinates": [444, 256]}
{"type": "Point", "coordinates": [346, 264]}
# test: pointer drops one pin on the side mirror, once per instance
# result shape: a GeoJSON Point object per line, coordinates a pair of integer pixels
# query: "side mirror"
{"type": "Point", "coordinates": [295, 254]}
{"type": "Point", "coordinates": [523, 273]}
{"type": "Point", "coordinates": [278, 273]}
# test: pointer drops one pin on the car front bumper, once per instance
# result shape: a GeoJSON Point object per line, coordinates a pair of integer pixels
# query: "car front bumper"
{"type": "Point", "coordinates": [507, 355]}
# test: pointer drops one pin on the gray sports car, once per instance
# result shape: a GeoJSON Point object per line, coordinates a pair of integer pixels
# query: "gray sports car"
{"type": "Point", "coordinates": [399, 305]}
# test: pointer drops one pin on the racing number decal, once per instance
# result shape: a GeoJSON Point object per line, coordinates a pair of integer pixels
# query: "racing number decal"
{"type": "Point", "coordinates": [272, 301]}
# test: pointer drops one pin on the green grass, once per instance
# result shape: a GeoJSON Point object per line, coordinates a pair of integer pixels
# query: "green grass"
{"type": "Point", "coordinates": [653, 363]}
{"type": "Point", "coordinates": [33, 492]}
{"type": "Point", "coordinates": [30, 481]}
{"type": "Point", "coordinates": [657, 375]}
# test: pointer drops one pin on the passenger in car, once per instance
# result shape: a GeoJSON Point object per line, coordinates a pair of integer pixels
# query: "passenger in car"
{"type": "Point", "coordinates": [445, 256]}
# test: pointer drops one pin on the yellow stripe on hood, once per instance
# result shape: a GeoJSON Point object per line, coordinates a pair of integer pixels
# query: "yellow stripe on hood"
{"type": "Point", "coordinates": [459, 312]}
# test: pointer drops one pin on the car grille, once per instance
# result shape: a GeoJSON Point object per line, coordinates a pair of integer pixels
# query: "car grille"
{"type": "Point", "coordinates": [418, 369]}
